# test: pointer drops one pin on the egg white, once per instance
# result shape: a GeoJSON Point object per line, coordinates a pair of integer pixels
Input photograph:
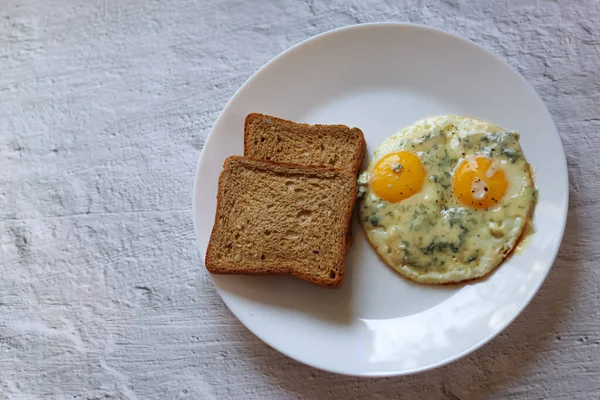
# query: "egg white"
{"type": "Point", "coordinates": [431, 237]}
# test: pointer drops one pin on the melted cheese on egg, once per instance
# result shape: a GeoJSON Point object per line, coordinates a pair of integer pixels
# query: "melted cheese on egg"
{"type": "Point", "coordinates": [446, 199]}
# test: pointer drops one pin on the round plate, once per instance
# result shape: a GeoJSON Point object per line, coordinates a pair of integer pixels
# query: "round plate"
{"type": "Point", "coordinates": [380, 78]}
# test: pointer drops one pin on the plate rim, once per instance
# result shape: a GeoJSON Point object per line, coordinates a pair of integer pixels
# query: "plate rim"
{"type": "Point", "coordinates": [211, 137]}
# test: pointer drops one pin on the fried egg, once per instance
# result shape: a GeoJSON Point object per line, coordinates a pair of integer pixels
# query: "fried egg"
{"type": "Point", "coordinates": [446, 199]}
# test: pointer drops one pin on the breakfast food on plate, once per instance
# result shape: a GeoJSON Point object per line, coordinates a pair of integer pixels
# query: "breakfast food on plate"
{"type": "Point", "coordinates": [280, 218]}
{"type": "Point", "coordinates": [275, 139]}
{"type": "Point", "coordinates": [446, 199]}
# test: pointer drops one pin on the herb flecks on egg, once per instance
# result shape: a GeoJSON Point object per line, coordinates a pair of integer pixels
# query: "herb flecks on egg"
{"type": "Point", "coordinates": [446, 198]}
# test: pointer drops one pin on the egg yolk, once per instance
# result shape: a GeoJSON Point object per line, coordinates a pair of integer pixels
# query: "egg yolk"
{"type": "Point", "coordinates": [397, 176]}
{"type": "Point", "coordinates": [478, 184]}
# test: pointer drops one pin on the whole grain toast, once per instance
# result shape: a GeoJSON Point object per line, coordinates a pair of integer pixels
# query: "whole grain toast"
{"type": "Point", "coordinates": [277, 218]}
{"type": "Point", "coordinates": [280, 140]}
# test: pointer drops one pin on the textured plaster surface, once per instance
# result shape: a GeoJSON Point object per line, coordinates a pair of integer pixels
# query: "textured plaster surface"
{"type": "Point", "coordinates": [104, 109]}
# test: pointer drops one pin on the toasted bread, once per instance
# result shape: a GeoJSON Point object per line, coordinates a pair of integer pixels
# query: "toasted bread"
{"type": "Point", "coordinates": [277, 218]}
{"type": "Point", "coordinates": [279, 140]}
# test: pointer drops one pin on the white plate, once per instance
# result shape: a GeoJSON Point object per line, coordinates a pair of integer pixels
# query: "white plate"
{"type": "Point", "coordinates": [380, 78]}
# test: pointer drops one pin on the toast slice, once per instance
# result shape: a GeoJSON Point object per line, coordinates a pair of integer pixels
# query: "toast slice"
{"type": "Point", "coordinates": [281, 219]}
{"type": "Point", "coordinates": [276, 139]}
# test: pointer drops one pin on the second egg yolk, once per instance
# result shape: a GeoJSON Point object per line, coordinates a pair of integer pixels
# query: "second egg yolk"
{"type": "Point", "coordinates": [397, 176]}
{"type": "Point", "coordinates": [478, 184]}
